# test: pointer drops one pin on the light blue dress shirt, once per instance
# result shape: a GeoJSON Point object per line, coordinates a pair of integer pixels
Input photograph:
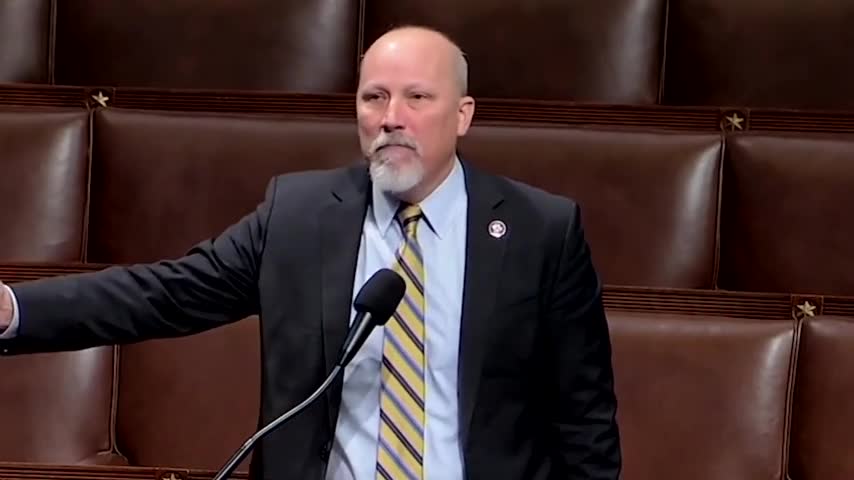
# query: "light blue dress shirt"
{"type": "Point", "coordinates": [442, 235]}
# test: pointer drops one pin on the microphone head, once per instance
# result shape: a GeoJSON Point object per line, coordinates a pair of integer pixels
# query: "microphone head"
{"type": "Point", "coordinates": [380, 295]}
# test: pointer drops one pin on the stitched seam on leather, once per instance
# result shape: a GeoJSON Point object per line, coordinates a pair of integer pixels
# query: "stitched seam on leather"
{"type": "Point", "coordinates": [661, 69]}
{"type": "Point", "coordinates": [87, 205]}
{"type": "Point", "coordinates": [716, 267]}
{"type": "Point", "coordinates": [114, 407]}
{"type": "Point", "coordinates": [51, 45]}
{"type": "Point", "coordinates": [360, 38]}
{"type": "Point", "coordinates": [790, 397]}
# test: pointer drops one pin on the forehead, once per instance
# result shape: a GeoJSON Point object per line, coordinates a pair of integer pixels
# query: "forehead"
{"type": "Point", "coordinates": [401, 63]}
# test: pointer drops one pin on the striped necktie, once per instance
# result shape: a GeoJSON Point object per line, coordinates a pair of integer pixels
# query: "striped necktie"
{"type": "Point", "coordinates": [401, 440]}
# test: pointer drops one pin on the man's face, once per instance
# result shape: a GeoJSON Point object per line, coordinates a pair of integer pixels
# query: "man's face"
{"type": "Point", "coordinates": [409, 111]}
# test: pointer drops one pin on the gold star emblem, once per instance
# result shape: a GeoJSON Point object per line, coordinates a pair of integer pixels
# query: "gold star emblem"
{"type": "Point", "coordinates": [170, 477]}
{"type": "Point", "coordinates": [807, 309]}
{"type": "Point", "coordinates": [734, 122]}
{"type": "Point", "coordinates": [102, 100]}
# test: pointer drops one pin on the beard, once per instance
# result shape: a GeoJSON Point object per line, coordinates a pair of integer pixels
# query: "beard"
{"type": "Point", "coordinates": [390, 170]}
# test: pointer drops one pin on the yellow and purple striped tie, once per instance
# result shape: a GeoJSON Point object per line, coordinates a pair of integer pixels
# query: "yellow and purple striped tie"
{"type": "Point", "coordinates": [401, 440]}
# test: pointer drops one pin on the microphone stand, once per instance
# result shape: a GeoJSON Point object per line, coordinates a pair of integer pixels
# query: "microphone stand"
{"type": "Point", "coordinates": [238, 456]}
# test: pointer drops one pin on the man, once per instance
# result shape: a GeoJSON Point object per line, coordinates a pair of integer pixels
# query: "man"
{"type": "Point", "coordinates": [497, 363]}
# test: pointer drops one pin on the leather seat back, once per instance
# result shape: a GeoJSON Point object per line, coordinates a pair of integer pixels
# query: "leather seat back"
{"type": "Point", "coordinates": [823, 416]}
{"type": "Point", "coordinates": [704, 398]}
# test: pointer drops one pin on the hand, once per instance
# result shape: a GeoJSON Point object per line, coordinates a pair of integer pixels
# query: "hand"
{"type": "Point", "coordinates": [5, 307]}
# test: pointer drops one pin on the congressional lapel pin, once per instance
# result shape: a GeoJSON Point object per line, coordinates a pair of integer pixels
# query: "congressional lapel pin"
{"type": "Point", "coordinates": [497, 228]}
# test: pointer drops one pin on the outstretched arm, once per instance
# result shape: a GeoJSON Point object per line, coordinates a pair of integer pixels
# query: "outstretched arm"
{"type": "Point", "coordinates": [213, 284]}
{"type": "Point", "coordinates": [588, 440]}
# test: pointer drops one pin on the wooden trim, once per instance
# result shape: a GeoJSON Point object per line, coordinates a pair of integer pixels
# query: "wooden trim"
{"type": "Point", "coordinates": [25, 95]}
{"type": "Point", "coordinates": [757, 305]}
{"type": "Point", "coordinates": [690, 118]}
{"type": "Point", "coordinates": [18, 272]}
{"type": "Point", "coordinates": [32, 471]}
{"type": "Point", "coordinates": [768, 306]}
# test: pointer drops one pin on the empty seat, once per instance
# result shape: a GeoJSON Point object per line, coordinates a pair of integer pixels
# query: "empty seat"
{"type": "Point", "coordinates": [701, 397]}
{"type": "Point", "coordinates": [189, 402]}
{"type": "Point", "coordinates": [785, 221]}
{"type": "Point", "coordinates": [823, 414]}
{"type": "Point", "coordinates": [761, 53]}
{"type": "Point", "coordinates": [607, 52]}
{"type": "Point", "coordinates": [25, 41]}
{"type": "Point", "coordinates": [57, 408]}
{"type": "Point", "coordinates": [44, 174]}
{"type": "Point", "coordinates": [295, 45]}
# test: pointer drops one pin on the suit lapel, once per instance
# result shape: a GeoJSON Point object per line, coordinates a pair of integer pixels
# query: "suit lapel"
{"type": "Point", "coordinates": [340, 232]}
{"type": "Point", "coordinates": [484, 259]}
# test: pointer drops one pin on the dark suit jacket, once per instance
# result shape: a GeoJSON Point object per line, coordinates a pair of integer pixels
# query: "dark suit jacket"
{"type": "Point", "coordinates": [535, 385]}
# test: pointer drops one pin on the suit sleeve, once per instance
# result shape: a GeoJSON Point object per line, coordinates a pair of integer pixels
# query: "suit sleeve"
{"type": "Point", "coordinates": [212, 284]}
{"type": "Point", "coordinates": [584, 409]}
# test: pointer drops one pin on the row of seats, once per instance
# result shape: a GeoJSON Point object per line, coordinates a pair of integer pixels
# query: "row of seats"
{"type": "Point", "coordinates": [748, 212]}
{"type": "Point", "coordinates": [732, 397]}
{"type": "Point", "coordinates": [699, 397]}
{"type": "Point", "coordinates": [690, 52]}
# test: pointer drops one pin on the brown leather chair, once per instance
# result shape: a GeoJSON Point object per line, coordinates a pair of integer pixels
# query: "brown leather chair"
{"type": "Point", "coordinates": [785, 220]}
{"type": "Point", "coordinates": [823, 413]}
{"type": "Point", "coordinates": [57, 408]}
{"type": "Point", "coordinates": [704, 398]}
{"type": "Point", "coordinates": [44, 173]}
{"type": "Point", "coordinates": [692, 52]}
{"type": "Point", "coordinates": [714, 390]}
{"type": "Point", "coordinates": [254, 44]}
{"type": "Point", "coordinates": [189, 402]}
{"type": "Point", "coordinates": [54, 408]}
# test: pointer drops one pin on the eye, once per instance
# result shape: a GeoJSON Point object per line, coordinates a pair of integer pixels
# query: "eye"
{"type": "Point", "coordinates": [370, 96]}
{"type": "Point", "coordinates": [419, 96]}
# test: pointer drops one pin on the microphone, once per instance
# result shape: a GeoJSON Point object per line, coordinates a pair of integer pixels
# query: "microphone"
{"type": "Point", "coordinates": [374, 304]}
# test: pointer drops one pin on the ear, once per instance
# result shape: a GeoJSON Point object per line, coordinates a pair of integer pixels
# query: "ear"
{"type": "Point", "coordinates": [465, 115]}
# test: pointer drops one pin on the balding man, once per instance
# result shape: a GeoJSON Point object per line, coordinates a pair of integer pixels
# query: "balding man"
{"type": "Point", "coordinates": [497, 363]}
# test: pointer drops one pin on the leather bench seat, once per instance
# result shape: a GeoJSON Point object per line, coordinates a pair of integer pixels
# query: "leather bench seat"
{"type": "Point", "coordinates": [715, 390]}
{"type": "Point", "coordinates": [58, 408]}
{"type": "Point", "coordinates": [44, 168]}
{"type": "Point", "coordinates": [702, 397]}
{"type": "Point", "coordinates": [631, 52]}
{"type": "Point", "coordinates": [786, 216]}
{"type": "Point", "coordinates": [822, 411]}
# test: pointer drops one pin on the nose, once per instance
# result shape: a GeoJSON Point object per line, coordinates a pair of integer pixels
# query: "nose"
{"type": "Point", "coordinates": [392, 120]}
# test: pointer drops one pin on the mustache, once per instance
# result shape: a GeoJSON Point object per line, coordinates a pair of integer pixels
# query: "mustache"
{"type": "Point", "coordinates": [392, 139]}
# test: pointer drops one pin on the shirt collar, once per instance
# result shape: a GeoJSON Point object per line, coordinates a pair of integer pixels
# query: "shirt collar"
{"type": "Point", "coordinates": [436, 207]}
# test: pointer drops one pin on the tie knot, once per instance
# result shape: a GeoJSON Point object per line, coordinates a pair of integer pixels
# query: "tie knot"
{"type": "Point", "coordinates": [408, 217]}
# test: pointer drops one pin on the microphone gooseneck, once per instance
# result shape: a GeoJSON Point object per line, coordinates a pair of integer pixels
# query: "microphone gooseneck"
{"type": "Point", "coordinates": [244, 450]}
{"type": "Point", "coordinates": [374, 304]}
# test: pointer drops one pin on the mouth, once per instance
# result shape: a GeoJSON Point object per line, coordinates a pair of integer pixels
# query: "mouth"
{"type": "Point", "coordinates": [394, 145]}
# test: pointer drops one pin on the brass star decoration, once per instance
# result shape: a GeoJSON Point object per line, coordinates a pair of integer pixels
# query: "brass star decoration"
{"type": "Point", "coordinates": [102, 100]}
{"type": "Point", "coordinates": [170, 477]}
{"type": "Point", "coordinates": [807, 309]}
{"type": "Point", "coordinates": [734, 121]}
